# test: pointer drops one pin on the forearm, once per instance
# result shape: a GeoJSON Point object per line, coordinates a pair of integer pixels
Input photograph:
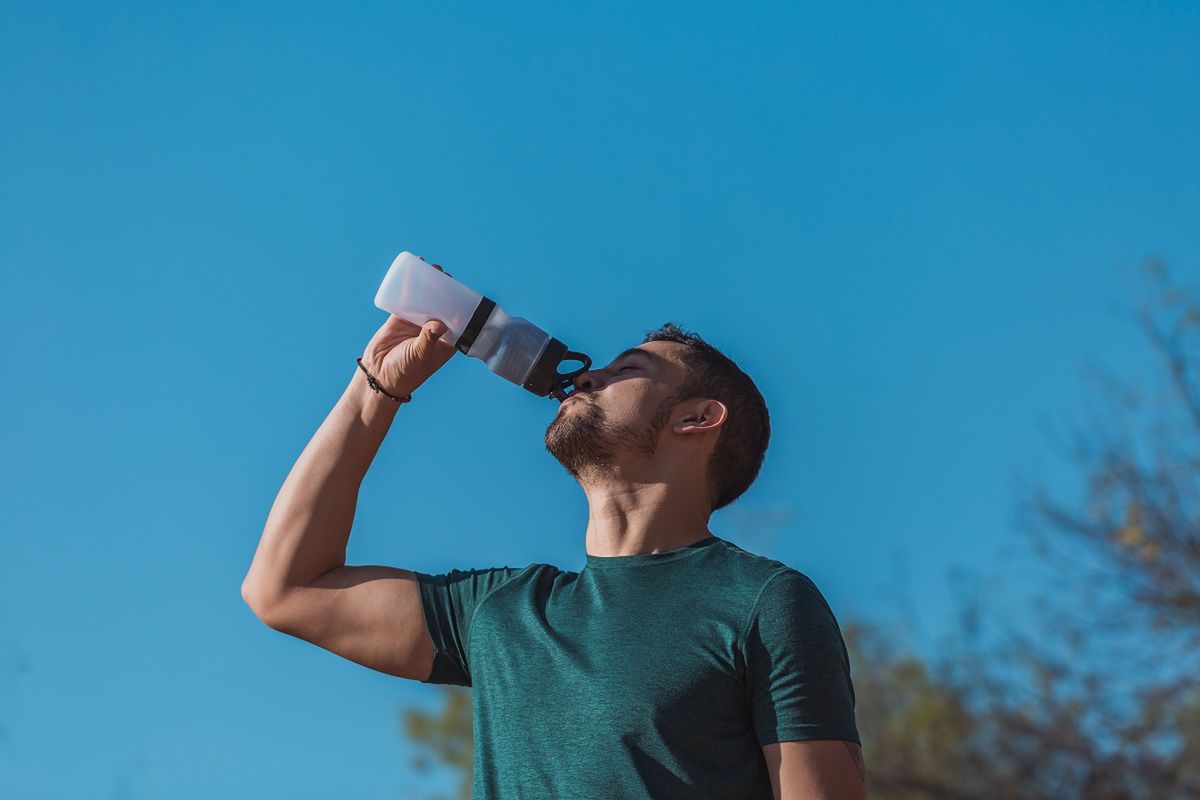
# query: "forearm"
{"type": "Point", "coordinates": [309, 524]}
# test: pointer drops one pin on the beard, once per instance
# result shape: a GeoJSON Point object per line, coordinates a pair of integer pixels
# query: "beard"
{"type": "Point", "coordinates": [588, 446]}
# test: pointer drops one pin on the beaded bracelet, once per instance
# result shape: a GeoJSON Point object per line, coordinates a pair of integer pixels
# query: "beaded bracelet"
{"type": "Point", "coordinates": [374, 384]}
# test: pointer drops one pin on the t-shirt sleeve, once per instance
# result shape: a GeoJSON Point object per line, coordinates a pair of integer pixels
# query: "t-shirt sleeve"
{"type": "Point", "coordinates": [449, 601]}
{"type": "Point", "coordinates": [797, 666]}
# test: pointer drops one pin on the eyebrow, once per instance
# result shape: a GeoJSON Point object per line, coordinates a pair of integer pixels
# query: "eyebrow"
{"type": "Point", "coordinates": [633, 351]}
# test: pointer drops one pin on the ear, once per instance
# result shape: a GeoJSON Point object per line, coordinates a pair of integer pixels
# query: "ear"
{"type": "Point", "coordinates": [703, 417]}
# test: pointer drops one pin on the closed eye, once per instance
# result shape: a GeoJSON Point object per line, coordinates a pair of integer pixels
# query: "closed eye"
{"type": "Point", "coordinates": [622, 369]}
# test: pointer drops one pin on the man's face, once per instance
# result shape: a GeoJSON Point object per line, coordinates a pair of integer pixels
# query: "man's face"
{"type": "Point", "coordinates": [617, 411]}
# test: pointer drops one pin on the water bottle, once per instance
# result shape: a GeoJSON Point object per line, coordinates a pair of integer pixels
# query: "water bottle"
{"type": "Point", "coordinates": [512, 347]}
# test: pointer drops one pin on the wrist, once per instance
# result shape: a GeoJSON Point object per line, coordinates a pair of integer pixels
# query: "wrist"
{"type": "Point", "coordinates": [376, 386]}
{"type": "Point", "coordinates": [365, 402]}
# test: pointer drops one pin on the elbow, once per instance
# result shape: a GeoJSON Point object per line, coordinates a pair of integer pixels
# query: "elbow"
{"type": "Point", "coordinates": [257, 600]}
{"type": "Point", "coordinates": [250, 598]}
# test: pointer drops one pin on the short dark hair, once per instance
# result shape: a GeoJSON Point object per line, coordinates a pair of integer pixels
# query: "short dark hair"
{"type": "Point", "coordinates": [742, 443]}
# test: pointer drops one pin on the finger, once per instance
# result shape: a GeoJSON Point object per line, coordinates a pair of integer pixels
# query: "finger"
{"type": "Point", "coordinates": [431, 332]}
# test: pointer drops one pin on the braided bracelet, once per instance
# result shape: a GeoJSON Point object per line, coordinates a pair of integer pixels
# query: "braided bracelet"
{"type": "Point", "coordinates": [374, 384]}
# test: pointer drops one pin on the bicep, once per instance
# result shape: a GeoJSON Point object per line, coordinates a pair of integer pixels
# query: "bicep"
{"type": "Point", "coordinates": [816, 770]}
{"type": "Point", "coordinates": [370, 615]}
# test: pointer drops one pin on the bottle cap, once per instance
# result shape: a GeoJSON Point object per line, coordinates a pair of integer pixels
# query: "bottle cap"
{"type": "Point", "coordinates": [545, 380]}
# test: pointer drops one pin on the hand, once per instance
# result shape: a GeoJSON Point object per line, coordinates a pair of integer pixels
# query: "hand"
{"type": "Point", "coordinates": [402, 355]}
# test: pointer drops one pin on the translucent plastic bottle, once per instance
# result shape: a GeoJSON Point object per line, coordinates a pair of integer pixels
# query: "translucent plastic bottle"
{"type": "Point", "coordinates": [512, 347]}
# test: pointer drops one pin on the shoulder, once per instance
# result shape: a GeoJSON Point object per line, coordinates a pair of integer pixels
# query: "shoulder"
{"type": "Point", "coordinates": [748, 568]}
{"type": "Point", "coordinates": [769, 579]}
{"type": "Point", "coordinates": [788, 590]}
{"type": "Point", "coordinates": [759, 587]}
{"type": "Point", "coordinates": [536, 578]}
{"type": "Point", "coordinates": [469, 588]}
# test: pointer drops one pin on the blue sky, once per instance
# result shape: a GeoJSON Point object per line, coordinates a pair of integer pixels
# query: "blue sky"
{"type": "Point", "coordinates": [912, 225]}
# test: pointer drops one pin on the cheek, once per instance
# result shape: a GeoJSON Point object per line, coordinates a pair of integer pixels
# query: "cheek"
{"type": "Point", "coordinates": [646, 408]}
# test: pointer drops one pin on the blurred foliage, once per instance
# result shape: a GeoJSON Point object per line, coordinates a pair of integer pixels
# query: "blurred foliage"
{"type": "Point", "coordinates": [1095, 695]}
{"type": "Point", "coordinates": [444, 737]}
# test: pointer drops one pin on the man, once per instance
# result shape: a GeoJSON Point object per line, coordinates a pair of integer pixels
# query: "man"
{"type": "Point", "coordinates": [674, 664]}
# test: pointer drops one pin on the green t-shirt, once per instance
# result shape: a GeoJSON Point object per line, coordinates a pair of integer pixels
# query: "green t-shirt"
{"type": "Point", "coordinates": [658, 675]}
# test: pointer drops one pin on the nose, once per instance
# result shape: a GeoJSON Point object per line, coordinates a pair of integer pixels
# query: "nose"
{"type": "Point", "coordinates": [586, 381]}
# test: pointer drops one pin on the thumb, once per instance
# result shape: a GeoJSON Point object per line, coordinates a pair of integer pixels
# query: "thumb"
{"type": "Point", "coordinates": [433, 329]}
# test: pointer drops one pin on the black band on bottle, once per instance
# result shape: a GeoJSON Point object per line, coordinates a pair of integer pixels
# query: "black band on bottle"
{"type": "Point", "coordinates": [482, 312]}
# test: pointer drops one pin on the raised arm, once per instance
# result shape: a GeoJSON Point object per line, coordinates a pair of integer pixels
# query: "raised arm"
{"type": "Point", "coordinates": [299, 582]}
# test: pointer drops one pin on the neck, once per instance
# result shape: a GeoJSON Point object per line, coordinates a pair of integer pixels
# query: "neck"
{"type": "Point", "coordinates": [636, 517]}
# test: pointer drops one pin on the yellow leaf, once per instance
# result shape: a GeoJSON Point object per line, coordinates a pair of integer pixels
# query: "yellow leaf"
{"type": "Point", "coordinates": [1131, 535]}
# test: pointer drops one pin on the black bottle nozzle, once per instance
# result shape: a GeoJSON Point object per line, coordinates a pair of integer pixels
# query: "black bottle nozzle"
{"type": "Point", "coordinates": [546, 381]}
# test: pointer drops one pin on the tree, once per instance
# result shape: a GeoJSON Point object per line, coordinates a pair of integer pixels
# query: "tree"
{"type": "Point", "coordinates": [1100, 698]}
{"type": "Point", "coordinates": [444, 736]}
